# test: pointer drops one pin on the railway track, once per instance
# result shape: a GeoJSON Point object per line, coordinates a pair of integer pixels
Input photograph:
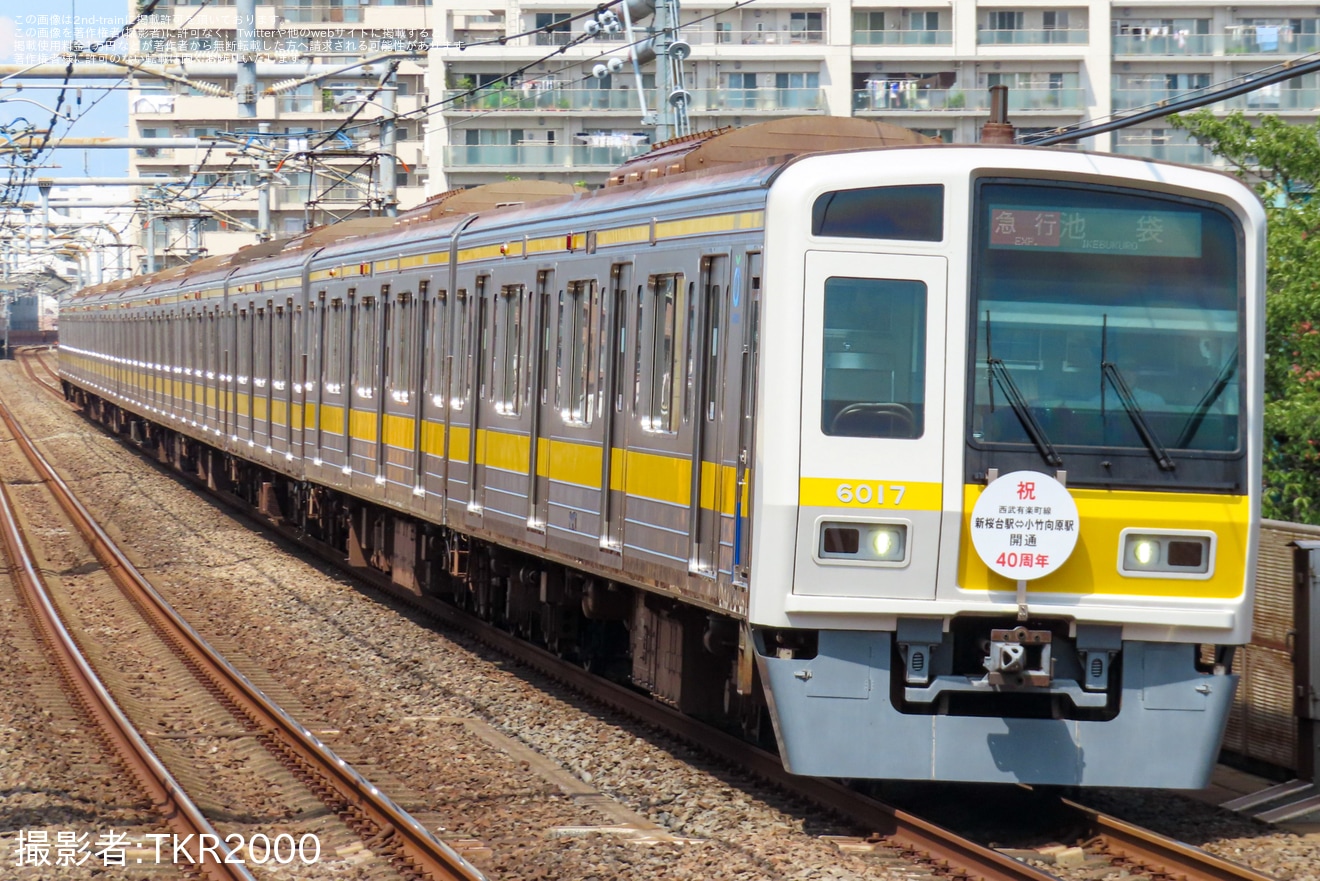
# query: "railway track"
{"type": "Point", "coordinates": [172, 804]}
{"type": "Point", "coordinates": [29, 356]}
{"type": "Point", "coordinates": [362, 806]}
{"type": "Point", "coordinates": [894, 829]}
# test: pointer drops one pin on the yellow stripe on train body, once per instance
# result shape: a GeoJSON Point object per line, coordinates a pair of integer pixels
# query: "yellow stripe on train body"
{"type": "Point", "coordinates": [705, 225]}
{"type": "Point", "coordinates": [659, 477]}
{"type": "Point", "coordinates": [570, 462]}
{"type": "Point", "coordinates": [331, 418]}
{"type": "Point", "coordinates": [362, 425]}
{"type": "Point", "coordinates": [1103, 515]}
{"type": "Point", "coordinates": [504, 451]}
{"type": "Point", "coordinates": [435, 258]}
{"type": "Point", "coordinates": [433, 438]}
{"type": "Point", "coordinates": [398, 431]}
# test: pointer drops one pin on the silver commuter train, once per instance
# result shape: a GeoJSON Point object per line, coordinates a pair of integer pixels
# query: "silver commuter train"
{"type": "Point", "coordinates": [506, 405]}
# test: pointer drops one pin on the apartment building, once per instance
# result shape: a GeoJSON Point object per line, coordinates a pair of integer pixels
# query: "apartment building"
{"type": "Point", "coordinates": [298, 39]}
{"type": "Point", "coordinates": [924, 65]}
{"type": "Point", "coordinates": [507, 90]}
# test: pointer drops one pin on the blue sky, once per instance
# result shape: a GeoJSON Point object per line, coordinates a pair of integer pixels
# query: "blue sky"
{"type": "Point", "coordinates": [25, 39]}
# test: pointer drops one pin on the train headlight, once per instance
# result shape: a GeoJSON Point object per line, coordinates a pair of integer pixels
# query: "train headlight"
{"type": "Point", "coordinates": [1166, 554]}
{"type": "Point", "coordinates": [863, 542]}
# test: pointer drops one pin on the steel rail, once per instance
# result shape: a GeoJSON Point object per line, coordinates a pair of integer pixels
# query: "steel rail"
{"type": "Point", "coordinates": [355, 795]}
{"type": "Point", "coordinates": [168, 798]}
{"type": "Point", "coordinates": [930, 842]}
{"type": "Point", "coordinates": [953, 854]}
{"type": "Point", "coordinates": [1154, 851]}
{"type": "Point", "coordinates": [26, 356]}
{"type": "Point", "coordinates": [950, 853]}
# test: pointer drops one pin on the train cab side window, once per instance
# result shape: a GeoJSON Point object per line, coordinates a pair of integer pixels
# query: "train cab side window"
{"type": "Point", "coordinates": [578, 334]}
{"type": "Point", "coordinates": [663, 337]}
{"type": "Point", "coordinates": [909, 214]}
{"type": "Point", "coordinates": [874, 371]}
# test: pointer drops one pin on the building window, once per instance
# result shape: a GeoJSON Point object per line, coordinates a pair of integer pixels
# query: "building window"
{"type": "Point", "coordinates": [805, 27]}
{"type": "Point", "coordinates": [553, 28]}
{"type": "Point", "coordinates": [925, 21]}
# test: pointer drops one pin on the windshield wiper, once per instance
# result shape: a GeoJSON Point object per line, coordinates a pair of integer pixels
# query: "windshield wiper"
{"type": "Point", "coordinates": [1129, 402]}
{"type": "Point", "coordinates": [1226, 374]}
{"type": "Point", "coordinates": [999, 371]}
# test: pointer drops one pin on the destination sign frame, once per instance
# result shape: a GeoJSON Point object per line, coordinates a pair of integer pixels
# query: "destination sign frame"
{"type": "Point", "coordinates": [1084, 230]}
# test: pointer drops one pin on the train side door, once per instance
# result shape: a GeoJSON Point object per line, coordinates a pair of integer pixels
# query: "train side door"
{"type": "Point", "coordinates": [538, 489]}
{"type": "Point", "coordinates": [748, 288]}
{"type": "Point", "coordinates": [872, 432]}
{"type": "Point", "coordinates": [478, 352]}
{"type": "Point", "coordinates": [707, 462]}
{"type": "Point", "coordinates": [617, 414]}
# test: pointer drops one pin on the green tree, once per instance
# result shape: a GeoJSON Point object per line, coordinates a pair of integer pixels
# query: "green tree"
{"type": "Point", "coordinates": [1282, 161]}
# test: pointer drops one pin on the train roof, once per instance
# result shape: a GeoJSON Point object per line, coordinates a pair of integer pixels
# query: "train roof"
{"type": "Point", "coordinates": [775, 141]}
{"type": "Point", "coordinates": [709, 164]}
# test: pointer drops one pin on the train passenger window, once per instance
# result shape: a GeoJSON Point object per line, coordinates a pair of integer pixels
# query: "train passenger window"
{"type": "Point", "coordinates": [874, 372]}
{"type": "Point", "coordinates": [909, 214]}
{"type": "Point", "coordinates": [367, 350]}
{"type": "Point", "coordinates": [332, 367]}
{"type": "Point", "coordinates": [667, 295]}
{"type": "Point", "coordinates": [402, 379]}
{"type": "Point", "coordinates": [435, 348]}
{"type": "Point", "coordinates": [244, 347]}
{"type": "Point", "coordinates": [578, 332]}
{"type": "Point", "coordinates": [459, 375]}
{"type": "Point", "coordinates": [280, 339]}
{"type": "Point", "coordinates": [713, 376]}
{"type": "Point", "coordinates": [261, 349]}
{"type": "Point", "coordinates": [508, 350]}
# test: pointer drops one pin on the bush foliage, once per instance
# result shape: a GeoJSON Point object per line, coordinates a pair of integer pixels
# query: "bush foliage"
{"type": "Point", "coordinates": [1282, 161]}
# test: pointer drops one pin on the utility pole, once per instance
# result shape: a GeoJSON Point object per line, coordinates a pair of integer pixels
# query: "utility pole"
{"type": "Point", "coordinates": [263, 184]}
{"type": "Point", "coordinates": [670, 51]}
{"type": "Point", "coordinates": [388, 183]}
{"type": "Point", "coordinates": [43, 187]}
{"type": "Point", "coordinates": [246, 81]}
{"type": "Point", "coordinates": [151, 240]}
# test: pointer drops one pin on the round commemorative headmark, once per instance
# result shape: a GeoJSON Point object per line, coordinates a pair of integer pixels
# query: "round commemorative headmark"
{"type": "Point", "coordinates": [1025, 525]}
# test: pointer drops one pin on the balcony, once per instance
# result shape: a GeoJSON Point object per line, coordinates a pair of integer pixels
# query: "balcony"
{"type": "Point", "coordinates": [701, 37]}
{"type": "Point", "coordinates": [1189, 154]}
{"type": "Point", "coordinates": [544, 100]}
{"type": "Point", "coordinates": [1246, 41]}
{"type": "Point", "coordinates": [961, 101]}
{"type": "Point", "coordinates": [902, 38]}
{"type": "Point", "coordinates": [534, 156]}
{"type": "Point", "coordinates": [1272, 99]}
{"type": "Point", "coordinates": [1034, 37]}
{"type": "Point", "coordinates": [1129, 99]}
{"type": "Point", "coordinates": [758, 100]}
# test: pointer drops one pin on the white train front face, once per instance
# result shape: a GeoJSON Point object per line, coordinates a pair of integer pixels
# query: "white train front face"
{"type": "Point", "coordinates": [1089, 325]}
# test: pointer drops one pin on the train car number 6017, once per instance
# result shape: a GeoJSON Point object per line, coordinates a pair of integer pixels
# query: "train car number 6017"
{"type": "Point", "coordinates": [866, 494]}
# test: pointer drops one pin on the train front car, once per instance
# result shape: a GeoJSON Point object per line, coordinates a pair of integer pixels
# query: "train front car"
{"type": "Point", "coordinates": [1007, 530]}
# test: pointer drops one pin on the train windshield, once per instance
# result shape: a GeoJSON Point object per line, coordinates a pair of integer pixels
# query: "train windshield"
{"type": "Point", "coordinates": [1105, 318]}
